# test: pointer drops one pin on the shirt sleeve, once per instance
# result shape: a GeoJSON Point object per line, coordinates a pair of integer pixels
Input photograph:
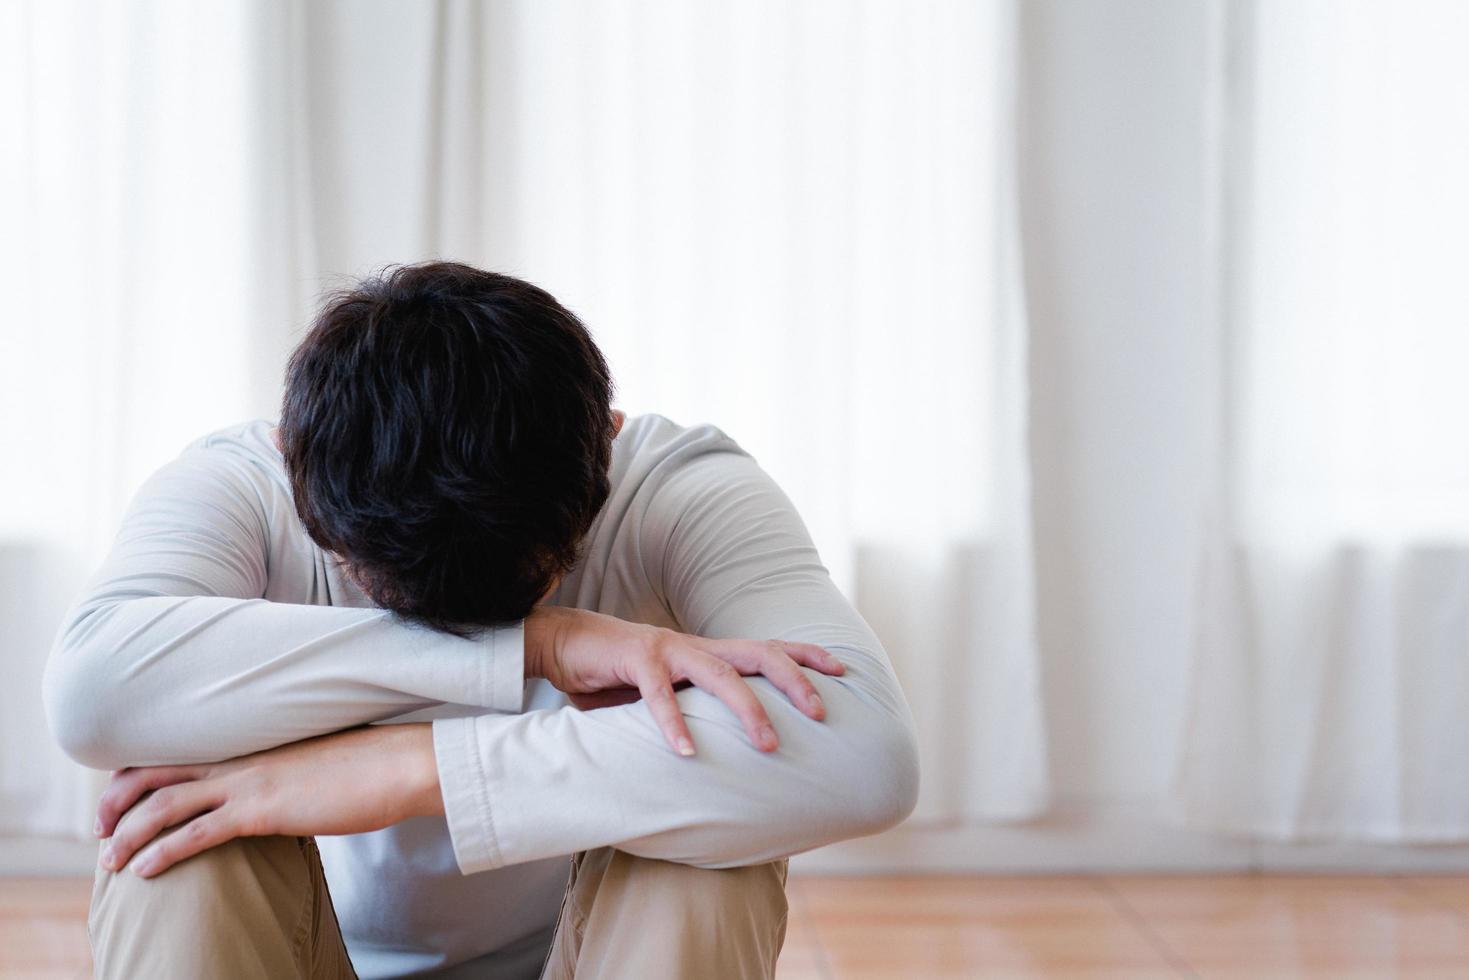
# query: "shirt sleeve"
{"type": "Point", "coordinates": [172, 655]}
{"type": "Point", "coordinates": [727, 552]}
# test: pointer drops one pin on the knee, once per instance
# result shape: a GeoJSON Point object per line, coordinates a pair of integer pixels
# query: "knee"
{"type": "Point", "coordinates": [736, 914]}
{"type": "Point", "coordinates": [228, 897]}
{"type": "Point", "coordinates": [684, 890]}
{"type": "Point", "coordinates": [238, 869]}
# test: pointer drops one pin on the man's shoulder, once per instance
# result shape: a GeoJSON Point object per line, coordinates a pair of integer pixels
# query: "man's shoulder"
{"type": "Point", "coordinates": [661, 467]}
{"type": "Point", "coordinates": [657, 442]}
{"type": "Point", "coordinates": [242, 457]}
{"type": "Point", "coordinates": [251, 439]}
{"type": "Point", "coordinates": [662, 472]}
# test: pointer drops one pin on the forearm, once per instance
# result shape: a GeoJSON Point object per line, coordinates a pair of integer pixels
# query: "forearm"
{"type": "Point", "coordinates": [170, 679]}
{"type": "Point", "coordinates": [350, 782]}
{"type": "Point", "coordinates": [172, 654]}
{"type": "Point", "coordinates": [517, 788]}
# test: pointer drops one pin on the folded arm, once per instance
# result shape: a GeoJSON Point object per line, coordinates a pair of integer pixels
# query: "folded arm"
{"type": "Point", "coordinates": [718, 542]}
{"type": "Point", "coordinates": [173, 655]}
{"type": "Point", "coordinates": [726, 550]}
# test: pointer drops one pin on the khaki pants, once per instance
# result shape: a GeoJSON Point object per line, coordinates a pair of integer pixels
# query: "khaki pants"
{"type": "Point", "coordinates": [257, 908]}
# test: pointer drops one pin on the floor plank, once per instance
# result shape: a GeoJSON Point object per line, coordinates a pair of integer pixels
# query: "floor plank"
{"type": "Point", "coordinates": [1300, 926]}
{"type": "Point", "coordinates": [1114, 927]}
{"type": "Point", "coordinates": [994, 927]}
{"type": "Point", "coordinates": [1448, 892]}
{"type": "Point", "coordinates": [43, 928]}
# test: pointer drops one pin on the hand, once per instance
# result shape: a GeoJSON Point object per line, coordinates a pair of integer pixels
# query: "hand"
{"type": "Point", "coordinates": [346, 783]}
{"type": "Point", "coordinates": [601, 660]}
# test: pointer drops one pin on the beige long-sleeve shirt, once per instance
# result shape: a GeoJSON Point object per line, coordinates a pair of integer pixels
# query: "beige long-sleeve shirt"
{"type": "Point", "coordinates": [216, 627]}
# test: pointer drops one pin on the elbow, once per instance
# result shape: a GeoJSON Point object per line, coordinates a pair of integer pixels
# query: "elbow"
{"type": "Point", "coordinates": [82, 709]}
{"type": "Point", "coordinates": [889, 792]}
{"type": "Point", "coordinates": [874, 784]}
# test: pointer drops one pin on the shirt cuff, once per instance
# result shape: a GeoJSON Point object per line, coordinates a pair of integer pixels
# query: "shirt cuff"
{"type": "Point", "coordinates": [506, 673]}
{"type": "Point", "coordinates": [466, 795]}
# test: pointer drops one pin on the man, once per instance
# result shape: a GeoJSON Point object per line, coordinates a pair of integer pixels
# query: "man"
{"type": "Point", "coordinates": [452, 529]}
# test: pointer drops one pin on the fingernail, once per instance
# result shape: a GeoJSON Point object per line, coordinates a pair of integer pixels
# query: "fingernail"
{"type": "Point", "coordinates": [143, 867]}
{"type": "Point", "coordinates": [685, 747]}
{"type": "Point", "coordinates": [816, 703]}
{"type": "Point", "coordinates": [97, 828]}
{"type": "Point", "coordinates": [107, 860]}
{"type": "Point", "coordinates": [767, 737]}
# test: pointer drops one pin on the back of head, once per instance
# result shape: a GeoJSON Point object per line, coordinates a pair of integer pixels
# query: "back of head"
{"type": "Point", "coordinates": [447, 433]}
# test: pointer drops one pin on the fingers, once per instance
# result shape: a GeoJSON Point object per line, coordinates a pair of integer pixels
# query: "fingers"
{"type": "Point", "coordinates": [724, 682]}
{"type": "Point", "coordinates": [751, 655]}
{"type": "Point", "coordinates": [716, 666]}
{"type": "Point", "coordinates": [813, 656]}
{"type": "Point", "coordinates": [786, 675]}
{"type": "Point", "coordinates": [203, 832]}
{"type": "Point", "coordinates": [167, 807]}
{"type": "Point", "coordinates": [780, 661]}
{"type": "Point", "coordinates": [129, 785]}
{"type": "Point", "coordinates": [656, 686]}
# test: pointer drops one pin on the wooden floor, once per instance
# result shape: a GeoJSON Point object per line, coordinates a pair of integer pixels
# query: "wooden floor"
{"type": "Point", "coordinates": [1097, 928]}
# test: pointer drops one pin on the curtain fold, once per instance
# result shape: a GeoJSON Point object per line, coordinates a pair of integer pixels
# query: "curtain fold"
{"type": "Point", "coordinates": [794, 220]}
{"type": "Point", "coordinates": [1331, 668]}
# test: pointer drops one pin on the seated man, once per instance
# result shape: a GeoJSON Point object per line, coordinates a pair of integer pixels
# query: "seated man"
{"type": "Point", "coordinates": [555, 606]}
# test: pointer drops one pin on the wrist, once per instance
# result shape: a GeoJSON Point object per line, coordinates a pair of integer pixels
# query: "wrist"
{"type": "Point", "coordinates": [542, 633]}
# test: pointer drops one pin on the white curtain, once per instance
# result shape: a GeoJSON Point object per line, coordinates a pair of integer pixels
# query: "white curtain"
{"type": "Point", "coordinates": [794, 220]}
{"type": "Point", "coordinates": [1332, 662]}
{"type": "Point", "coordinates": [142, 307]}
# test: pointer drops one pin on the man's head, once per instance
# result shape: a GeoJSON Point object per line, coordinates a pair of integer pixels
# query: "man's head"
{"type": "Point", "coordinates": [447, 433]}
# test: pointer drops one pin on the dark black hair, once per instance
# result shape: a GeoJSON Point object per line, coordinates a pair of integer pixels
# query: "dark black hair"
{"type": "Point", "coordinates": [447, 434]}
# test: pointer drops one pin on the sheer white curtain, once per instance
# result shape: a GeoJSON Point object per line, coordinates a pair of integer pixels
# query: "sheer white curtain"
{"type": "Point", "coordinates": [1332, 666]}
{"type": "Point", "coordinates": [794, 220]}
{"type": "Point", "coordinates": [134, 249]}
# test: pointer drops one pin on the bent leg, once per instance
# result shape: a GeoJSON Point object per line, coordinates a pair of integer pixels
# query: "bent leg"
{"type": "Point", "coordinates": [256, 908]}
{"type": "Point", "coordinates": [626, 916]}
